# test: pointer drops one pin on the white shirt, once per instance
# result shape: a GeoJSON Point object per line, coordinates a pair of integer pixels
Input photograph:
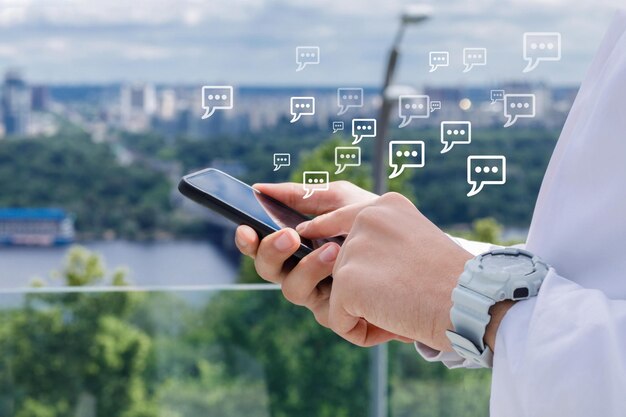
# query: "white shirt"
{"type": "Point", "coordinates": [563, 353]}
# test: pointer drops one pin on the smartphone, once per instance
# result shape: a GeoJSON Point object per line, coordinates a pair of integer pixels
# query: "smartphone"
{"type": "Point", "coordinates": [242, 204]}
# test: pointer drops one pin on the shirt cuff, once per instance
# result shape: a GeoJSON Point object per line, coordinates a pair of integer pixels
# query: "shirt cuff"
{"type": "Point", "coordinates": [450, 359]}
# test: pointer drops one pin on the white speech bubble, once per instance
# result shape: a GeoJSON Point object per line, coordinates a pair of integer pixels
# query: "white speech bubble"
{"type": "Point", "coordinates": [216, 97]}
{"type": "Point", "coordinates": [349, 98]}
{"type": "Point", "coordinates": [363, 128]}
{"type": "Point", "coordinates": [411, 107]}
{"type": "Point", "coordinates": [496, 95]}
{"type": "Point", "coordinates": [438, 59]}
{"type": "Point", "coordinates": [307, 55]}
{"type": "Point", "coordinates": [337, 126]}
{"type": "Point", "coordinates": [411, 150]}
{"type": "Point", "coordinates": [541, 46]}
{"type": "Point", "coordinates": [455, 132]}
{"type": "Point", "coordinates": [474, 57]}
{"type": "Point", "coordinates": [315, 181]}
{"type": "Point", "coordinates": [347, 156]}
{"type": "Point", "coordinates": [281, 160]}
{"type": "Point", "coordinates": [490, 168]}
{"type": "Point", "coordinates": [302, 106]}
{"type": "Point", "coordinates": [518, 106]}
{"type": "Point", "coordinates": [435, 105]}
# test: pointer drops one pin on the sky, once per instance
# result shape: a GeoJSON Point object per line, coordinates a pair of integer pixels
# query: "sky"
{"type": "Point", "coordinates": [252, 42]}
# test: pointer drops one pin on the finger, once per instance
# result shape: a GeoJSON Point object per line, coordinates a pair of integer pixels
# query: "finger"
{"type": "Point", "coordinates": [335, 223]}
{"type": "Point", "coordinates": [337, 195]}
{"type": "Point", "coordinates": [247, 240]}
{"type": "Point", "coordinates": [300, 285]}
{"type": "Point", "coordinates": [272, 253]}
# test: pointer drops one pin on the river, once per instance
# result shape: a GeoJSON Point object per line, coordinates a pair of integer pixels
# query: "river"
{"type": "Point", "coordinates": [155, 263]}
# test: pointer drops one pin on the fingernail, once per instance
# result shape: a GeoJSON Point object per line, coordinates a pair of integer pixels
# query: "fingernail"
{"type": "Point", "coordinates": [329, 254]}
{"type": "Point", "coordinates": [241, 243]}
{"type": "Point", "coordinates": [283, 242]}
{"type": "Point", "coordinates": [302, 227]}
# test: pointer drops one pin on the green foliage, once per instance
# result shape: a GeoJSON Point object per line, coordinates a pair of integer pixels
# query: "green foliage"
{"type": "Point", "coordinates": [68, 347]}
{"type": "Point", "coordinates": [83, 177]}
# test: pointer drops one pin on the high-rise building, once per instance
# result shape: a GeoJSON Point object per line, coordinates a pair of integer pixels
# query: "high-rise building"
{"type": "Point", "coordinates": [16, 103]}
{"type": "Point", "coordinates": [40, 98]}
{"type": "Point", "coordinates": [137, 106]}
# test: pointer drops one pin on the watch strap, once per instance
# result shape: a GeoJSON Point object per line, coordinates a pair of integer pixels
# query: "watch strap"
{"type": "Point", "coordinates": [470, 317]}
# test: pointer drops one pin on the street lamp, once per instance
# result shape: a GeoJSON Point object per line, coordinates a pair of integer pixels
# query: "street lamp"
{"type": "Point", "coordinates": [413, 14]}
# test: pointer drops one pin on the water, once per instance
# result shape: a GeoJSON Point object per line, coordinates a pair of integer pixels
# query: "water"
{"type": "Point", "coordinates": [157, 263]}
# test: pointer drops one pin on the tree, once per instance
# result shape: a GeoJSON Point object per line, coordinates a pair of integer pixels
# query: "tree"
{"type": "Point", "coordinates": [70, 351]}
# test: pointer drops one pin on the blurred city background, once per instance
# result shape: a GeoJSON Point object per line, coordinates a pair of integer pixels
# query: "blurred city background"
{"type": "Point", "coordinates": [121, 298]}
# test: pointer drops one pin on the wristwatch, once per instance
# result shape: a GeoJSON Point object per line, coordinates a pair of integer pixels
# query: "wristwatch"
{"type": "Point", "coordinates": [501, 274]}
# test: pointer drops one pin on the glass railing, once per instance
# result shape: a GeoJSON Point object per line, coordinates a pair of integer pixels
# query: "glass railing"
{"type": "Point", "coordinates": [233, 350]}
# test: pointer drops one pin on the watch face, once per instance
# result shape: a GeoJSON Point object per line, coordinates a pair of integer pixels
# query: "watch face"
{"type": "Point", "coordinates": [515, 265]}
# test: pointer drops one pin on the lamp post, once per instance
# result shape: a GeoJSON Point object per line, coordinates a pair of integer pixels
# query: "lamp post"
{"type": "Point", "coordinates": [379, 362]}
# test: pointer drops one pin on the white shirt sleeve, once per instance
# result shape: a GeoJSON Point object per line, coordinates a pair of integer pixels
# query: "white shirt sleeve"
{"type": "Point", "coordinates": [562, 353]}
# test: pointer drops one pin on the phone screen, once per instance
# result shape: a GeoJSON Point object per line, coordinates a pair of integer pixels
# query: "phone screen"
{"type": "Point", "coordinates": [246, 199]}
{"type": "Point", "coordinates": [240, 203]}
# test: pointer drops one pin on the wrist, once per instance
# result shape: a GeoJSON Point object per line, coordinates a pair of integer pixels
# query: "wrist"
{"type": "Point", "coordinates": [497, 313]}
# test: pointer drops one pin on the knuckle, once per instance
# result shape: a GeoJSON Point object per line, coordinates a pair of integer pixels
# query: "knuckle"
{"type": "Point", "coordinates": [392, 197]}
{"type": "Point", "coordinates": [292, 293]}
{"type": "Point", "coordinates": [367, 215]}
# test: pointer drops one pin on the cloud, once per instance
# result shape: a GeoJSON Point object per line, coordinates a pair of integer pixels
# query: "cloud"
{"type": "Point", "coordinates": [253, 41]}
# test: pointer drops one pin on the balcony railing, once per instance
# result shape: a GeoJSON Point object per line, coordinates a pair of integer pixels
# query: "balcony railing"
{"type": "Point", "coordinates": [232, 350]}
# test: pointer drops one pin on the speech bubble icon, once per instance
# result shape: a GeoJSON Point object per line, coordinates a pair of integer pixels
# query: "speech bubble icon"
{"type": "Point", "coordinates": [348, 98]}
{"type": "Point", "coordinates": [216, 97]}
{"type": "Point", "coordinates": [438, 59]}
{"type": "Point", "coordinates": [483, 170]}
{"type": "Point", "coordinates": [302, 106]}
{"type": "Point", "coordinates": [314, 181]}
{"type": "Point", "coordinates": [455, 132]}
{"type": "Point", "coordinates": [541, 46]}
{"type": "Point", "coordinates": [496, 95]}
{"type": "Point", "coordinates": [281, 160]}
{"type": "Point", "coordinates": [473, 57]}
{"type": "Point", "coordinates": [518, 106]}
{"type": "Point", "coordinates": [435, 105]}
{"type": "Point", "coordinates": [307, 55]}
{"type": "Point", "coordinates": [337, 126]}
{"type": "Point", "coordinates": [405, 154]}
{"type": "Point", "coordinates": [413, 106]}
{"type": "Point", "coordinates": [363, 128]}
{"type": "Point", "coordinates": [347, 156]}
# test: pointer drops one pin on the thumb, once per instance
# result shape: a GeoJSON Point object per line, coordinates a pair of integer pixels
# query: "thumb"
{"type": "Point", "coordinates": [335, 223]}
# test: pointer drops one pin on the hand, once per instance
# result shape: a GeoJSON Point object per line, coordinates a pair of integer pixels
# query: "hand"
{"type": "Point", "coordinates": [394, 274]}
{"type": "Point", "coordinates": [301, 285]}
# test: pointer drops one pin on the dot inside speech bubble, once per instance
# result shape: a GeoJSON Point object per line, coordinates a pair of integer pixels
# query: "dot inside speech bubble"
{"type": "Point", "coordinates": [302, 106]}
{"type": "Point", "coordinates": [473, 57]}
{"type": "Point", "coordinates": [337, 126]}
{"type": "Point", "coordinates": [438, 59]}
{"type": "Point", "coordinates": [455, 132]}
{"type": "Point", "coordinates": [315, 181]}
{"type": "Point", "coordinates": [413, 106]}
{"type": "Point", "coordinates": [347, 156]}
{"type": "Point", "coordinates": [348, 98]}
{"type": "Point", "coordinates": [483, 170]}
{"type": "Point", "coordinates": [541, 46]}
{"type": "Point", "coordinates": [281, 160]}
{"type": "Point", "coordinates": [405, 154]}
{"type": "Point", "coordinates": [363, 128]}
{"type": "Point", "coordinates": [216, 97]}
{"type": "Point", "coordinates": [518, 106]}
{"type": "Point", "coordinates": [307, 55]}
{"type": "Point", "coordinates": [496, 95]}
